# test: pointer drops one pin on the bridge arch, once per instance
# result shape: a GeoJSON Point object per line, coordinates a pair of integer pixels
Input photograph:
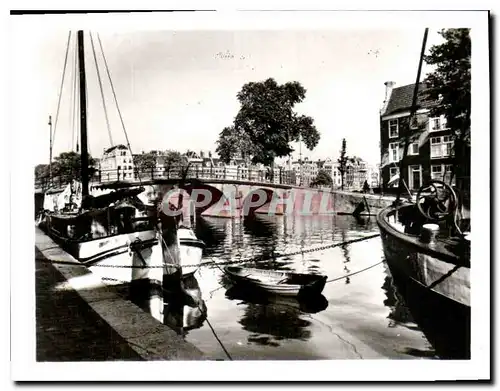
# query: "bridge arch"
{"type": "Point", "coordinates": [204, 195]}
{"type": "Point", "coordinates": [257, 198]}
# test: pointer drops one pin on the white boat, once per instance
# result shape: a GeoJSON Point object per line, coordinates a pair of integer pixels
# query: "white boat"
{"type": "Point", "coordinates": [113, 234]}
{"type": "Point", "coordinates": [190, 249]}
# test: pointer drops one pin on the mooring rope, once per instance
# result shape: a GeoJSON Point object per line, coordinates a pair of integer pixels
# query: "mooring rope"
{"type": "Point", "coordinates": [357, 272]}
{"type": "Point", "coordinates": [212, 262]}
{"type": "Point", "coordinates": [217, 338]}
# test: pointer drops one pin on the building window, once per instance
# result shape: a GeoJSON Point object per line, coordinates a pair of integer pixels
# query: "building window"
{"type": "Point", "coordinates": [437, 172]}
{"type": "Point", "coordinates": [442, 172]}
{"type": "Point", "coordinates": [393, 171]}
{"type": "Point", "coordinates": [393, 128]}
{"type": "Point", "coordinates": [441, 146]}
{"type": "Point", "coordinates": [413, 149]}
{"type": "Point", "coordinates": [437, 123]}
{"type": "Point", "coordinates": [394, 152]}
{"type": "Point", "coordinates": [119, 167]}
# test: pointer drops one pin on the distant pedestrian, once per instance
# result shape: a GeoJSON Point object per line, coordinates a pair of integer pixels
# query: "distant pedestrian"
{"type": "Point", "coordinates": [366, 187]}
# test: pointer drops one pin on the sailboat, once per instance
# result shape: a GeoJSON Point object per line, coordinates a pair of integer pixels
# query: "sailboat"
{"type": "Point", "coordinates": [113, 234]}
{"type": "Point", "coordinates": [426, 243]}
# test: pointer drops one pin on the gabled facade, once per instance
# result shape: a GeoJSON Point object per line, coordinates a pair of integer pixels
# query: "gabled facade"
{"type": "Point", "coordinates": [429, 159]}
{"type": "Point", "coordinates": [331, 166]}
{"type": "Point", "coordinates": [117, 164]}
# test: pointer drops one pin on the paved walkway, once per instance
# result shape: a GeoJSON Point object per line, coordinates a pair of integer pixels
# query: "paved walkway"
{"type": "Point", "coordinates": [79, 318]}
{"type": "Point", "coordinates": [67, 328]}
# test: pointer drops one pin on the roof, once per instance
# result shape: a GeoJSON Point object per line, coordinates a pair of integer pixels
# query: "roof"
{"type": "Point", "coordinates": [401, 99]}
{"type": "Point", "coordinates": [111, 149]}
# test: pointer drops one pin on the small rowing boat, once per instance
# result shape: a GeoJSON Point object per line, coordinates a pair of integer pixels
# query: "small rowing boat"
{"type": "Point", "coordinates": [278, 282]}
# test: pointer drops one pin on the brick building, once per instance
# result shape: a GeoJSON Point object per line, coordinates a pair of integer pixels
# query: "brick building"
{"type": "Point", "coordinates": [430, 155]}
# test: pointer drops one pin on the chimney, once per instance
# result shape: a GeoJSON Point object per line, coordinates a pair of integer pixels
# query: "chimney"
{"type": "Point", "coordinates": [389, 85]}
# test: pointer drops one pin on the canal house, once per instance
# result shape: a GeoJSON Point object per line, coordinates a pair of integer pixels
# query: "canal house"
{"type": "Point", "coordinates": [430, 154]}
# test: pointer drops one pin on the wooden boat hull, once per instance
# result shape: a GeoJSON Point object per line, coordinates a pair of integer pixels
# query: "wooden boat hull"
{"type": "Point", "coordinates": [277, 282]}
{"type": "Point", "coordinates": [435, 287]}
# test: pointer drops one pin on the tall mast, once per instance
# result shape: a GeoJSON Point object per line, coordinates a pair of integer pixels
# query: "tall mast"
{"type": "Point", "coordinates": [50, 151]}
{"type": "Point", "coordinates": [412, 117]}
{"type": "Point", "coordinates": [83, 117]}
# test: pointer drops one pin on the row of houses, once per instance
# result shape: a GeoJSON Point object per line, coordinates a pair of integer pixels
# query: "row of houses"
{"type": "Point", "coordinates": [357, 172]}
{"type": "Point", "coordinates": [118, 164]}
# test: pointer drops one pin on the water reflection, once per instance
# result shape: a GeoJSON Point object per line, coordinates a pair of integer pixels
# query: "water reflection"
{"type": "Point", "coordinates": [209, 234]}
{"type": "Point", "coordinates": [186, 311]}
{"type": "Point", "coordinates": [183, 309]}
{"type": "Point", "coordinates": [347, 256]}
{"type": "Point", "coordinates": [264, 232]}
{"type": "Point", "coordinates": [271, 318]}
{"type": "Point", "coordinates": [308, 305]}
{"type": "Point", "coordinates": [399, 313]}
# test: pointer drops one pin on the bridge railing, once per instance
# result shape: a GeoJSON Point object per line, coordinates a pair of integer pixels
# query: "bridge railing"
{"type": "Point", "coordinates": [262, 175]}
{"type": "Point", "coordinates": [198, 172]}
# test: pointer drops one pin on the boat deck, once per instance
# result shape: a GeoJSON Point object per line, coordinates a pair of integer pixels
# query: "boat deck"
{"type": "Point", "coordinates": [451, 249]}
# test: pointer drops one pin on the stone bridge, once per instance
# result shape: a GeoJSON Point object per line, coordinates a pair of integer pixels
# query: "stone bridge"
{"type": "Point", "coordinates": [238, 198]}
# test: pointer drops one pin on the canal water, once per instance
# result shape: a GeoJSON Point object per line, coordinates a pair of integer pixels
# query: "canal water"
{"type": "Point", "coordinates": [360, 316]}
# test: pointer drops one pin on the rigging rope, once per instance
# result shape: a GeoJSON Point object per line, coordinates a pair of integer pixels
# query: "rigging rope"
{"type": "Point", "coordinates": [117, 106]}
{"type": "Point", "coordinates": [102, 90]}
{"type": "Point", "coordinates": [61, 88]}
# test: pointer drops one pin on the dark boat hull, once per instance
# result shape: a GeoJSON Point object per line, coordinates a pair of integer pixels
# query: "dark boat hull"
{"type": "Point", "coordinates": [445, 322]}
{"type": "Point", "coordinates": [435, 289]}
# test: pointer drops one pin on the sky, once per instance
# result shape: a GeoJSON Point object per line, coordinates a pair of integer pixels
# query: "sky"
{"type": "Point", "coordinates": [177, 89]}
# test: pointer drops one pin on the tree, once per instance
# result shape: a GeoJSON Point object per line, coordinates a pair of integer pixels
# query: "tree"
{"type": "Point", "coordinates": [342, 160]}
{"type": "Point", "coordinates": [145, 162]}
{"type": "Point", "coordinates": [450, 85]}
{"type": "Point", "coordinates": [322, 179]}
{"type": "Point", "coordinates": [233, 142]}
{"type": "Point", "coordinates": [173, 160]}
{"type": "Point", "coordinates": [67, 166]}
{"type": "Point", "coordinates": [42, 174]}
{"type": "Point", "coordinates": [41, 171]}
{"type": "Point", "coordinates": [266, 123]}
